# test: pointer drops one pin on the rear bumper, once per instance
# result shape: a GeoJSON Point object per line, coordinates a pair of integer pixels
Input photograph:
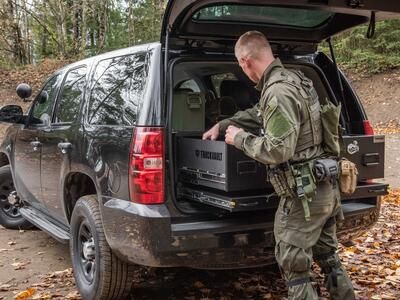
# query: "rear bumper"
{"type": "Point", "coordinates": [144, 235]}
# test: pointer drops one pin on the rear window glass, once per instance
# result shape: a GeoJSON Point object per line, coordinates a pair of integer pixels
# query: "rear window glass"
{"type": "Point", "coordinates": [191, 85]}
{"type": "Point", "coordinates": [296, 17]}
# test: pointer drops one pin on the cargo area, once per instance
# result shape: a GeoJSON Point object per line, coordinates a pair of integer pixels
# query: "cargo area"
{"type": "Point", "coordinates": [213, 177]}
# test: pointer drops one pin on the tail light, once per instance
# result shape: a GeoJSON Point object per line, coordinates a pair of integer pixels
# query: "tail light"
{"type": "Point", "coordinates": [368, 129]}
{"type": "Point", "coordinates": [146, 166]}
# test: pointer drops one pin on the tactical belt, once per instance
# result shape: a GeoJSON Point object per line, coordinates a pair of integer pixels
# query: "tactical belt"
{"type": "Point", "coordinates": [299, 180]}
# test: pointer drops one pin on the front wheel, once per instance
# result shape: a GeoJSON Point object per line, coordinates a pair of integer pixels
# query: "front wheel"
{"type": "Point", "coordinates": [10, 216]}
{"type": "Point", "coordinates": [99, 274]}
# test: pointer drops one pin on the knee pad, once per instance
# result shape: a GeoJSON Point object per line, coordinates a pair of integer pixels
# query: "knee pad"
{"type": "Point", "coordinates": [331, 266]}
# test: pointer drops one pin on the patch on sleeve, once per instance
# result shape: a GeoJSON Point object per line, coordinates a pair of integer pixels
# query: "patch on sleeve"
{"type": "Point", "coordinates": [278, 125]}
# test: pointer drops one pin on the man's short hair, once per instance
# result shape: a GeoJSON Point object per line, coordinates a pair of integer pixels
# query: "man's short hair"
{"type": "Point", "coordinates": [253, 44]}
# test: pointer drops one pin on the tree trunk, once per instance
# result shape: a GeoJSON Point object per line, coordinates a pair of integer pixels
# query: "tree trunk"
{"type": "Point", "coordinates": [83, 28]}
{"type": "Point", "coordinates": [61, 24]}
{"type": "Point", "coordinates": [17, 41]}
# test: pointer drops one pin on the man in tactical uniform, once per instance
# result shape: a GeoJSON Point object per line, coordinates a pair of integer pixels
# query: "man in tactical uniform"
{"type": "Point", "coordinates": [288, 121]}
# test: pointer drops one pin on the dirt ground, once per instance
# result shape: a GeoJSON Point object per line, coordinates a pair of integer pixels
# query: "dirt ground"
{"type": "Point", "coordinates": [31, 259]}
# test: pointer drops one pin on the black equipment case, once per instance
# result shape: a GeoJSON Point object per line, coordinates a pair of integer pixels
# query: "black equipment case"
{"type": "Point", "coordinates": [215, 164]}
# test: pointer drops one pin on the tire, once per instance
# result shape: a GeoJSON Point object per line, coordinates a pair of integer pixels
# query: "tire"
{"type": "Point", "coordinates": [90, 254]}
{"type": "Point", "coordinates": [10, 216]}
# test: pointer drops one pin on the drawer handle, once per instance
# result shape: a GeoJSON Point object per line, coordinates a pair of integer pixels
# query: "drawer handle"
{"type": "Point", "coordinates": [248, 204]}
{"type": "Point", "coordinates": [377, 191]}
{"type": "Point", "coordinates": [372, 157]}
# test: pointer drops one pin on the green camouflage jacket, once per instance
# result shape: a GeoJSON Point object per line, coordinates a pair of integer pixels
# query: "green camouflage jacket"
{"type": "Point", "coordinates": [284, 120]}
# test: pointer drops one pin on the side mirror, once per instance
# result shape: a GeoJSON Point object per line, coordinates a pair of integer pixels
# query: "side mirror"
{"type": "Point", "coordinates": [24, 91]}
{"type": "Point", "coordinates": [42, 97]}
{"type": "Point", "coordinates": [11, 114]}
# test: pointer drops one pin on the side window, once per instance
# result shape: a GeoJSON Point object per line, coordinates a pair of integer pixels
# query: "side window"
{"type": "Point", "coordinates": [117, 89]}
{"type": "Point", "coordinates": [71, 96]}
{"type": "Point", "coordinates": [191, 85]}
{"type": "Point", "coordinates": [44, 101]}
{"type": "Point", "coordinates": [217, 79]}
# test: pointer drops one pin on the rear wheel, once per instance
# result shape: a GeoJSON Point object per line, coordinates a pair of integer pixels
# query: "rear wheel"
{"type": "Point", "coordinates": [99, 274]}
{"type": "Point", "coordinates": [10, 216]}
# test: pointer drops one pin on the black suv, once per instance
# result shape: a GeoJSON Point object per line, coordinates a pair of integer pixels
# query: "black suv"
{"type": "Point", "coordinates": [98, 160]}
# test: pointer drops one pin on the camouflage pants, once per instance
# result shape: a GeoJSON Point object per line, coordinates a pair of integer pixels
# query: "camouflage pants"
{"type": "Point", "coordinates": [299, 242]}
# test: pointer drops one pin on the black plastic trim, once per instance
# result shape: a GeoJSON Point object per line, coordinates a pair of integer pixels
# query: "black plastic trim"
{"type": "Point", "coordinates": [40, 220]}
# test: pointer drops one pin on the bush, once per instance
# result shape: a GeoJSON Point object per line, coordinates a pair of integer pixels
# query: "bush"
{"type": "Point", "coordinates": [354, 51]}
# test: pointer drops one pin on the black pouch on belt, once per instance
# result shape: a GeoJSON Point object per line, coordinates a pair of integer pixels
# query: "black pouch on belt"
{"type": "Point", "coordinates": [326, 169]}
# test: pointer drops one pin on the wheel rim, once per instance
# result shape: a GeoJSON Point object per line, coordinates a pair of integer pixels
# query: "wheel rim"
{"type": "Point", "coordinates": [10, 210]}
{"type": "Point", "coordinates": [87, 252]}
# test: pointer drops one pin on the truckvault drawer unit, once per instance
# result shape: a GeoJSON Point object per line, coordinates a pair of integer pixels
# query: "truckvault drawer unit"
{"type": "Point", "coordinates": [217, 165]}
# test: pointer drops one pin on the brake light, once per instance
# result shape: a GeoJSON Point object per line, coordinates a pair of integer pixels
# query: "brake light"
{"type": "Point", "coordinates": [146, 166]}
{"type": "Point", "coordinates": [368, 129]}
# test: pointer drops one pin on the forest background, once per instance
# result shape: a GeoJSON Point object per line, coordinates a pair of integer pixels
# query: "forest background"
{"type": "Point", "coordinates": [33, 30]}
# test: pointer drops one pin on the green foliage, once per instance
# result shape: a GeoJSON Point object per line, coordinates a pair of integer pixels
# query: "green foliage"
{"type": "Point", "coordinates": [74, 29]}
{"type": "Point", "coordinates": [32, 30]}
{"type": "Point", "coordinates": [354, 51]}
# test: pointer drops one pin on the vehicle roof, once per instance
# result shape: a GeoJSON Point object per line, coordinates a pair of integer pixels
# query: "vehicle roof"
{"type": "Point", "coordinates": [114, 53]}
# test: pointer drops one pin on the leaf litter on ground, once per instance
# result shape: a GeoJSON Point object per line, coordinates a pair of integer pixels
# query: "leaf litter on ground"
{"type": "Point", "coordinates": [372, 261]}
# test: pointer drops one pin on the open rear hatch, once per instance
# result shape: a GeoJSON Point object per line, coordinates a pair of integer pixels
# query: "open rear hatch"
{"type": "Point", "coordinates": [212, 22]}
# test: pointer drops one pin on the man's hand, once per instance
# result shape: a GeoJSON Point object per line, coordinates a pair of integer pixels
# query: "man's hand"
{"type": "Point", "coordinates": [212, 133]}
{"type": "Point", "coordinates": [231, 133]}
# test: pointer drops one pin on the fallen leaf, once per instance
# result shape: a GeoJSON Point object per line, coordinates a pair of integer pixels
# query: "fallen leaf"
{"type": "Point", "coordinates": [369, 240]}
{"type": "Point", "coordinates": [5, 287]}
{"type": "Point", "coordinates": [11, 243]}
{"type": "Point", "coordinates": [73, 296]}
{"type": "Point", "coordinates": [198, 285]}
{"type": "Point", "coordinates": [393, 278]}
{"type": "Point", "coordinates": [41, 296]}
{"type": "Point", "coordinates": [389, 272]}
{"type": "Point", "coordinates": [19, 265]}
{"type": "Point", "coordinates": [25, 294]}
{"type": "Point", "coordinates": [377, 245]}
{"type": "Point", "coordinates": [267, 296]}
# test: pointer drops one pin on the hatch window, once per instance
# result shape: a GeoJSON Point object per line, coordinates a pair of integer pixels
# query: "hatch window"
{"type": "Point", "coordinates": [296, 17]}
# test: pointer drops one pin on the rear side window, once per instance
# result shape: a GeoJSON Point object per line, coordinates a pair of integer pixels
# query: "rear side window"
{"type": "Point", "coordinates": [116, 90]}
{"type": "Point", "coordinates": [191, 85]}
{"type": "Point", "coordinates": [71, 96]}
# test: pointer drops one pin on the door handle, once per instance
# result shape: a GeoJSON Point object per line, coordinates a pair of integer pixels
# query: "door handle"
{"type": "Point", "coordinates": [35, 145]}
{"type": "Point", "coordinates": [64, 147]}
